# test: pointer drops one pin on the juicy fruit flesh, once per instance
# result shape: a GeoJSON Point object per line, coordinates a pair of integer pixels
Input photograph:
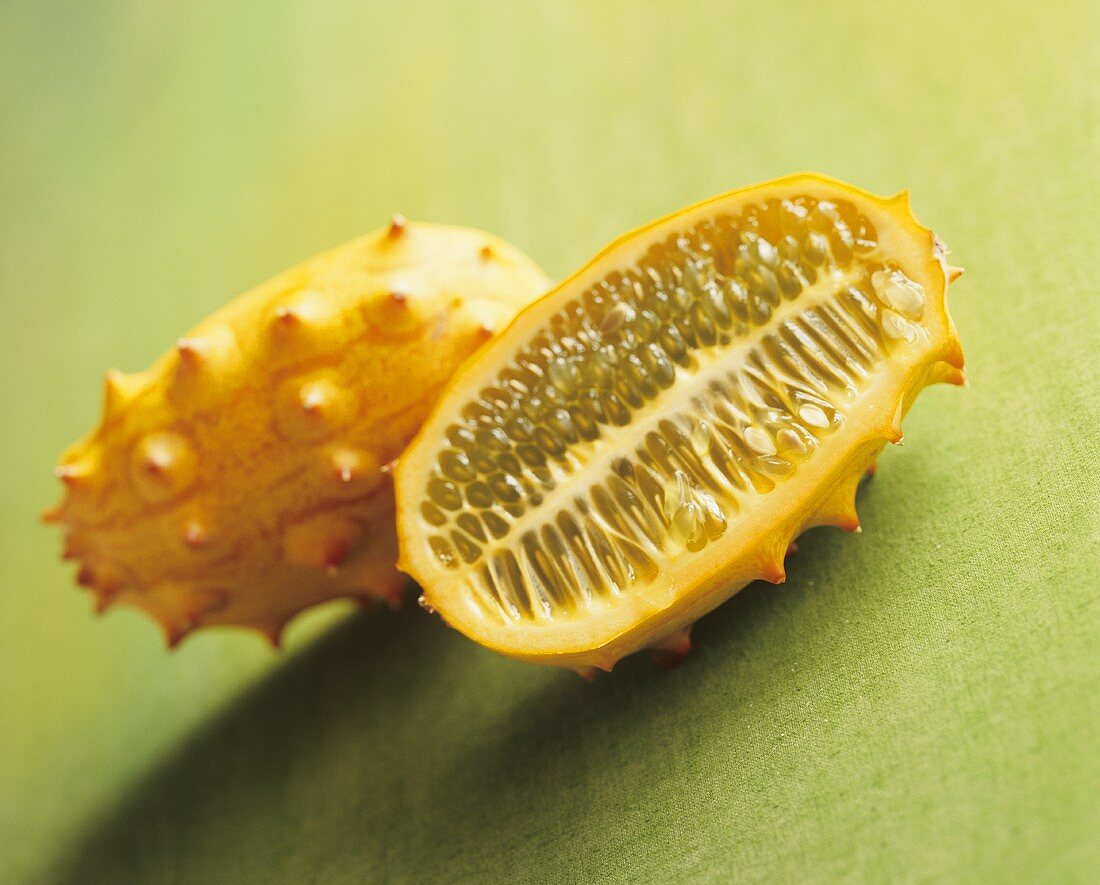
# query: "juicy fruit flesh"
{"type": "Point", "coordinates": [648, 416]}
{"type": "Point", "coordinates": [670, 320]}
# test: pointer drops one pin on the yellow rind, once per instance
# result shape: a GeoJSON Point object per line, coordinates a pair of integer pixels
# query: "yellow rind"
{"type": "Point", "coordinates": [244, 476]}
{"type": "Point", "coordinates": [822, 494]}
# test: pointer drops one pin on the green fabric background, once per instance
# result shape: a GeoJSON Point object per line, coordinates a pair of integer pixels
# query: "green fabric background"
{"type": "Point", "coordinates": [918, 703]}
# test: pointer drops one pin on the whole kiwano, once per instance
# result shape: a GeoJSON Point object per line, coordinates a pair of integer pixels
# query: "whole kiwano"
{"type": "Point", "coordinates": [244, 476]}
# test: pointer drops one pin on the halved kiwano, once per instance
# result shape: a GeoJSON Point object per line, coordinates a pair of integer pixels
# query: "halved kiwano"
{"type": "Point", "coordinates": [651, 435]}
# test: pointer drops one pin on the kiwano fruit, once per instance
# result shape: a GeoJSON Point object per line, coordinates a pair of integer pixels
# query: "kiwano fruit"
{"type": "Point", "coordinates": [653, 433]}
{"type": "Point", "coordinates": [244, 476]}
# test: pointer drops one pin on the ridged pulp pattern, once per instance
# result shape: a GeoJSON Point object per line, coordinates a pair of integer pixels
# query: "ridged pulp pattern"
{"type": "Point", "coordinates": [644, 419]}
{"type": "Point", "coordinates": [245, 475]}
{"type": "Point", "coordinates": [666, 321]}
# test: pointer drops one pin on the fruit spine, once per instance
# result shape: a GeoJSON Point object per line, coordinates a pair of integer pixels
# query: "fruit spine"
{"type": "Point", "coordinates": [244, 476]}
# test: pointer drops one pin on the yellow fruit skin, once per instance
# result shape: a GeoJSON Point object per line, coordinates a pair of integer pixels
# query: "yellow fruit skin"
{"type": "Point", "coordinates": [245, 475]}
{"type": "Point", "coordinates": [824, 495]}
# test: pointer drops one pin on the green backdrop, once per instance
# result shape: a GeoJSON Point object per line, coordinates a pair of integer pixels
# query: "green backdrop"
{"type": "Point", "coordinates": [919, 703]}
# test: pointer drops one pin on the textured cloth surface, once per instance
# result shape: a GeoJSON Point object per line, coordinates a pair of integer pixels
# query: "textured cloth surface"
{"type": "Point", "coordinates": [917, 703]}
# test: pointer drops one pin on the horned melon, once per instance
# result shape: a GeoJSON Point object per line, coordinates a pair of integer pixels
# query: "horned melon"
{"type": "Point", "coordinates": [244, 476]}
{"type": "Point", "coordinates": [653, 433]}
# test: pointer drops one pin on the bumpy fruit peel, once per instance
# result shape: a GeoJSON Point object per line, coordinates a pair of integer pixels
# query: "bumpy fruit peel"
{"type": "Point", "coordinates": [245, 475]}
{"type": "Point", "coordinates": [822, 491]}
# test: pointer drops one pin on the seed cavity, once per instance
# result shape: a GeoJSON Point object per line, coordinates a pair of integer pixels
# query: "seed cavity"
{"type": "Point", "coordinates": [724, 290]}
{"type": "Point", "coordinates": [757, 440]}
{"type": "Point", "coordinates": [898, 328]}
{"type": "Point", "coordinates": [618, 316]}
{"type": "Point", "coordinates": [813, 416]}
{"type": "Point", "coordinates": [899, 293]}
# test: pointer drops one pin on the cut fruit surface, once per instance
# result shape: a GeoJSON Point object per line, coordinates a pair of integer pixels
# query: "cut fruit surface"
{"type": "Point", "coordinates": [651, 435]}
